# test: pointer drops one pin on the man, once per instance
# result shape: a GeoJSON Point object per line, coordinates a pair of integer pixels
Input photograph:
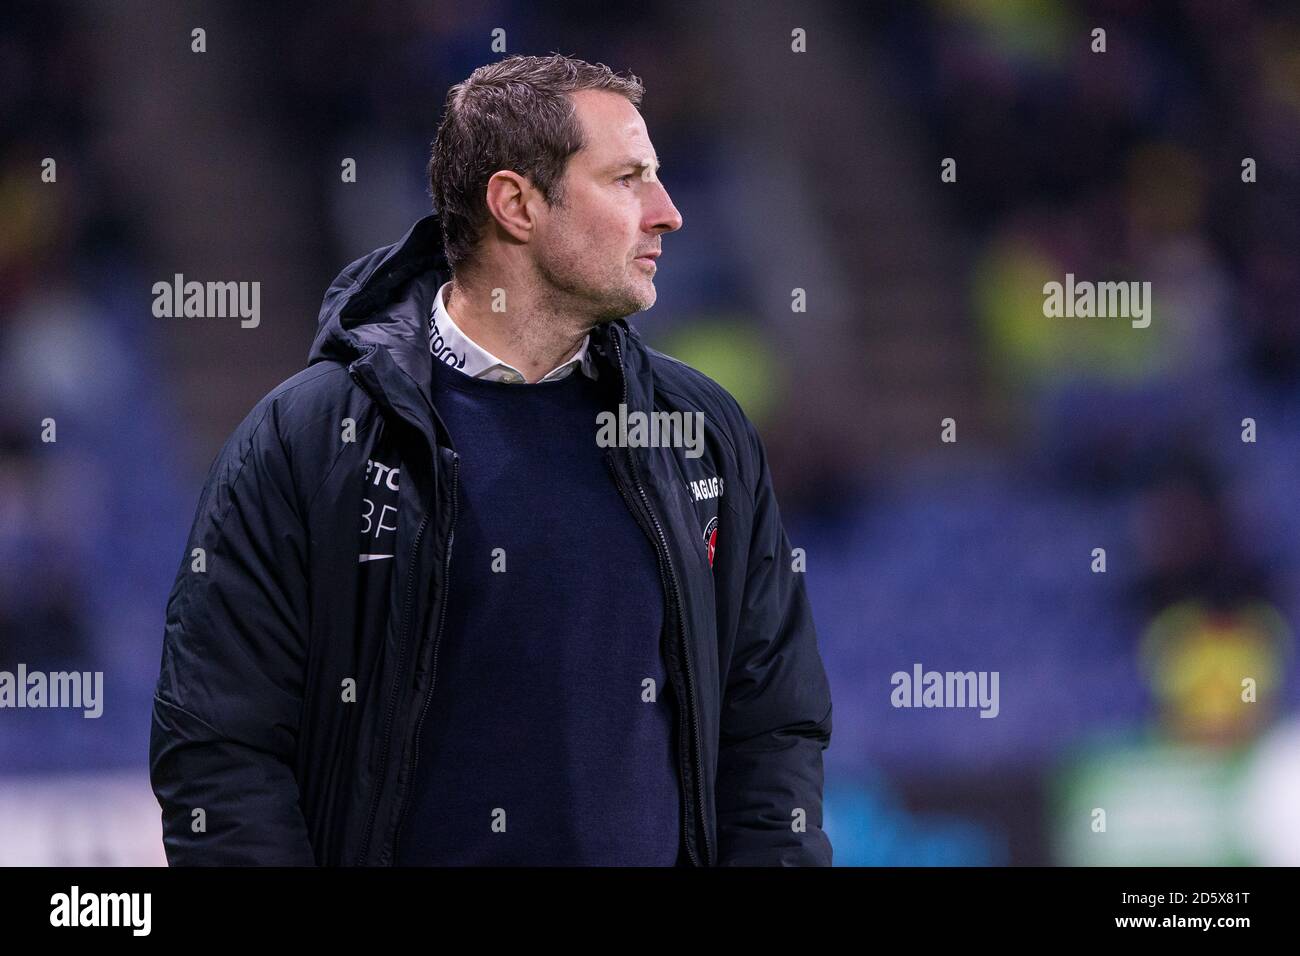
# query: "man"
{"type": "Point", "coordinates": [427, 615]}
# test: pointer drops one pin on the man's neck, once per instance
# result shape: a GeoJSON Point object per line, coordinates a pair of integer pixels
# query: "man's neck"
{"type": "Point", "coordinates": [527, 334]}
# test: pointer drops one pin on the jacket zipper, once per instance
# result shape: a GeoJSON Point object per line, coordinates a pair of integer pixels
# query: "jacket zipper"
{"type": "Point", "coordinates": [401, 656]}
{"type": "Point", "coordinates": [681, 622]}
{"type": "Point", "coordinates": [437, 640]}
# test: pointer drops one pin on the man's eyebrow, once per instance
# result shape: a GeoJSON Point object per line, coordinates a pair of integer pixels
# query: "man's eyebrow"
{"type": "Point", "coordinates": [634, 161]}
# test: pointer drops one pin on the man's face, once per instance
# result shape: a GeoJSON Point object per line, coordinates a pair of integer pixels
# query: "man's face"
{"type": "Point", "coordinates": [615, 209]}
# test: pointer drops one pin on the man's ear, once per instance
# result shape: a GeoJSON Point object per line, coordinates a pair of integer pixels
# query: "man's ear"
{"type": "Point", "coordinates": [508, 202]}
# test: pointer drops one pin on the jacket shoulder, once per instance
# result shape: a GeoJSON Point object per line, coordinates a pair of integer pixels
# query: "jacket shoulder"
{"type": "Point", "coordinates": [690, 387]}
{"type": "Point", "coordinates": [292, 431]}
{"type": "Point", "coordinates": [320, 387]}
{"type": "Point", "coordinates": [299, 404]}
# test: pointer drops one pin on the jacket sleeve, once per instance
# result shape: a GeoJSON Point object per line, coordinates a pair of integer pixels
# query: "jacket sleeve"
{"type": "Point", "coordinates": [776, 711]}
{"type": "Point", "coordinates": [226, 707]}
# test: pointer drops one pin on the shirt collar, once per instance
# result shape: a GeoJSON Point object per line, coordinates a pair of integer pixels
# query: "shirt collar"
{"type": "Point", "coordinates": [452, 346]}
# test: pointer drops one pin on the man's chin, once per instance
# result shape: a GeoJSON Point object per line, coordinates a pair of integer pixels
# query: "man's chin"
{"type": "Point", "coordinates": [630, 304]}
{"type": "Point", "coordinates": [644, 296]}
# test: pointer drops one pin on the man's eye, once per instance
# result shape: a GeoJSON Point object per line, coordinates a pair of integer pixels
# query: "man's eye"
{"type": "Point", "coordinates": [627, 178]}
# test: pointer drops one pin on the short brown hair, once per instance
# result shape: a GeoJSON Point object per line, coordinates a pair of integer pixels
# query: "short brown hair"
{"type": "Point", "coordinates": [513, 114]}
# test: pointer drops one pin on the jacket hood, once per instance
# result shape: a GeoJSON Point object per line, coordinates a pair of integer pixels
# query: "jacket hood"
{"type": "Point", "coordinates": [357, 310]}
{"type": "Point", "coordinates": [380, 304]}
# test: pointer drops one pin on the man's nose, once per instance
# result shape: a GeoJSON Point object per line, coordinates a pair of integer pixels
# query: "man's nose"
{"type": "Point", "coordinates": [664, 216]}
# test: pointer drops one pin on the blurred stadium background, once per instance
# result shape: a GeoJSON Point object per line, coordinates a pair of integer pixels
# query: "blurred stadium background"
{"type": "Point", "coordinates": [820, 171]}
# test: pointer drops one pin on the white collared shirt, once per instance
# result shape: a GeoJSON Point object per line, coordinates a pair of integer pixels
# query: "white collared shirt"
{"type": "Point", "coordinates": [454, 348]}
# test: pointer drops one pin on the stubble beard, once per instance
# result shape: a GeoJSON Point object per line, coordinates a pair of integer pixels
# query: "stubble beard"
{"type": "Point", "coordinates": [600, 299]}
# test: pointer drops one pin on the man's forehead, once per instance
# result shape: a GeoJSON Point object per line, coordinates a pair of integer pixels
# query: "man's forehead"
{"type": "Point", "coordinates": [614, 128]}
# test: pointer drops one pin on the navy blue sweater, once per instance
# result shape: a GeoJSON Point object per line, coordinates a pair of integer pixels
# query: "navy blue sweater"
{"type": "Point", "coordinates": [545, 742]}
